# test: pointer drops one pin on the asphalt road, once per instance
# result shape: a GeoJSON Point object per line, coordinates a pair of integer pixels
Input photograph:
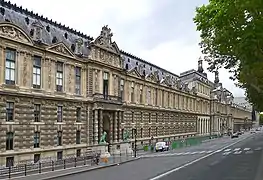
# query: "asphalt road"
{"type": "Point", "coordinates": [243, 161]}
{"type": "Point", "coordinates": [156, 164]}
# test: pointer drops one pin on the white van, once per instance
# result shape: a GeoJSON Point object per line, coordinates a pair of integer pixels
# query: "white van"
{"type": "Point", "coordinates": [161, 146]}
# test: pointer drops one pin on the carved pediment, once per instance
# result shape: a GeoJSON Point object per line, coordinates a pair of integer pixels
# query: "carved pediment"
{"type": "Point", "coordinates": [166, 81]}
{"type": "Point", "coordinates": [104, 40]}
{"type": "Point", "coordinates": [134, 72]}
{"type": "Point", "coordinates": [61, 48]}
{"type": "Point", "coordinates": [13, 32]}
{"type": "Point", "coordinates": [152, 77]}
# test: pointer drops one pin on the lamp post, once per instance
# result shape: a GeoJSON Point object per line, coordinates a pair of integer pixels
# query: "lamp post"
{"type": "Point", "coordinates": [135, 141]}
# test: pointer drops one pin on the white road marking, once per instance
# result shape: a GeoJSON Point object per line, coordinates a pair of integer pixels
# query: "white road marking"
{"type": "Point", "coordinates": [194, 153]}
{"type": "Point", "coordinates": [249, 152]}
{"type": "Point", "coordinates": [258, 149]}
{"type": "Point", "coordinates": [207, 152]}
{"type": "Point", "coordinates": [237, 149]}
{"type": "Point", "coordinates": [226, 153]}
{"type": "Point", "coordinates": [186, 153]}
{"type": "Point", "coordinates": [194, 161]}
{"type": "Point", "coordinates": [246, 149]}
{"type": "Point", "coordinates": [237, 152]}
{"type": "Point", "coordinates": [201, 152]}
{"type": "Point", "coordinates": [219, 150]}
{"type": "Point", "coordinates": [227, 150]}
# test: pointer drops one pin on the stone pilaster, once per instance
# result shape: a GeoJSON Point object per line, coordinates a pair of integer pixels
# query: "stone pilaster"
{"type": "Point", "coordinates": [100, 122]}
{"type": "Point", "coordinates": [119, 123]}
{"type": "Point", "coordinates": [2, 65]}
{"type": "Point", "coordinates": [111, 128]}
{"type": "Point", "coordinates": [95, 125]}
{"type": "Point", "coordinates": [115, 127]}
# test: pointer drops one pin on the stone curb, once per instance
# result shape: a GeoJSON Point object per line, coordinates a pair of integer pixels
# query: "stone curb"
{"type": "Point", "coordinates": [86, 170]}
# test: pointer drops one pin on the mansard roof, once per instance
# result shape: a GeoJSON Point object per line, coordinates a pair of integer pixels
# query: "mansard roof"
{"type": "Point", "coordinates": [145, 68]}
{"type": "Point", "coordinates": [51, 29]}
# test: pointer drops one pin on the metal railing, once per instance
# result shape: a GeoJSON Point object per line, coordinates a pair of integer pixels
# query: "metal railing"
{"type": "Point", "coordinates": [25, 169]}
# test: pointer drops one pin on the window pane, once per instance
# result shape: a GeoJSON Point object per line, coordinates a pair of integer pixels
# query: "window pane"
{"type": "Point", "coordinates": [38, 70]}
{"type": "Point", "coordinates": [7, 74]}
{"type": "Point", "coordinates": [12, 65]}
{"type": "Point", "coordinates": [12, 75]}
{"type": "Point", "coordinates": [38, 80]}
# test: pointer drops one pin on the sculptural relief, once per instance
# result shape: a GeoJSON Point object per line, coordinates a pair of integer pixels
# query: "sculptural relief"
{"type": "Point", "coordinates": [25, 71]}
{"type": "Point", "coordinates": [13, 33]}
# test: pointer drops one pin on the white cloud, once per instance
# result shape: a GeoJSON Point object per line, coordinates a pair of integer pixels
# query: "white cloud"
{"type": "Point", "coordinates": [89, 16]}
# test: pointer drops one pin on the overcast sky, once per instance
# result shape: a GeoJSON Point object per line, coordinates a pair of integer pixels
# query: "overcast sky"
{"type": "Point", "coordinates": [159, 31]}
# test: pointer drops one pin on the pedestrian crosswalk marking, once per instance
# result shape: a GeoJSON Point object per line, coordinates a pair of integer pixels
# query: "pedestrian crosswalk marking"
{"type": "Point", "coordinates": [237, 149]}
{"type": "Point", "coordinates": [219, 150]}
{"type": "Point", "coordinates": [227, 150]}
{"type": "Point", "coordinates": [249, 152]}
{"type": "Point", "coordinates": [208, 152]}
{"type": "Point", "coordinates": [258, 149]}
{"type": "Point", "coordinates": [237, 152]}
{"type": "Point", "coordinates": [246, 149]}
{"type": "Point", "coordinates": [226, 153]}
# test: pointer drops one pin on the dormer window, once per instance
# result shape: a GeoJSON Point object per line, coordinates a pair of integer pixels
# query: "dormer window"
{"type": "Point", "coordinates": [78, 46]}
{"type": "Point", "coordinates": [37, 33]}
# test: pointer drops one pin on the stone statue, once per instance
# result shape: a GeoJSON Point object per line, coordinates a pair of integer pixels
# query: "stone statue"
{"type": "Point", "coordinates": [126, 135]}
{"type": "Point", "coordinates": [103, 138]}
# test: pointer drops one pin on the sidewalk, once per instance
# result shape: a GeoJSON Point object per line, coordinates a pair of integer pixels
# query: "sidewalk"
{"type": "Point", "coordinates": [65, 172]}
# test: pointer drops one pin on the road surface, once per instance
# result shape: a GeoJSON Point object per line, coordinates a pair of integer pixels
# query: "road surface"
{"type": "Point", "coordinates": [222, 159]}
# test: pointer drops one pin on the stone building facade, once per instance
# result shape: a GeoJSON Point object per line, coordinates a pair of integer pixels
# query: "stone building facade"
{"type": "Point", "coordinates": [60, 90]}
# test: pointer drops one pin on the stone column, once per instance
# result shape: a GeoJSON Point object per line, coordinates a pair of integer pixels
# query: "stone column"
{"type": "Point", "coordinates": [111, 128]}
{"type": "Point", "coordinates": [2, 65]}
{"type": "Point", "coordinates": [119, 125]}
{"type": "Point", "coordinates": [115, 126]}
{"type": "Point", "coordinates": [95, 126]}
{"type": "Point", "coordinates": [100, 112]}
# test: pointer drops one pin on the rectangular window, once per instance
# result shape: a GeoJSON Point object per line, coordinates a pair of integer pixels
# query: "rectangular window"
{"type": "Point", "coordinates": [78, 138]}
{"type": "Point", "coordinates": [141, 117]}
{"type": "Point", "coordinates": [149, 132]}
{"type": "Point", "coordinates": [149, 117]}
{"type": "Point", "coordinates": [156, 96]}
{"type": "Point", "coordinates": [132, 92]}
{"type": "Point", "coordinates": [9, 161]}
{"type": "Point", "coordinates": [141, 132]}
{"type": "Point", "coordinates": [156, 120]}
{"type": "Point", "coordinates": [9, 141]}
{"type": "Point", "coordinates": [168, 99]}
{"type": "Point", "coordinates": [132, 117]}
{"type": "Point", "coordinates": [156, 130]}
{"type": "Point", "coordinates": [122, 89]}
{"type": "Point", "coordinates": [162, 98]}
{"type": "Point", "coordinates": [10, 65]}
{"type": "Point", "coordinates": [59, 138]}
{"type": "Point", "coordinates": [37, 72]}
{"type": "Point", "coordinates": [78, 114]}
{"type": "Point", "coordinates": [60, 114]}
{"type": "Point", "coordinates": [59, 77]}
{"type": "Point", "coordinates": [105, 85]}
{"type": "Point", "coordinates": [37, 112]}
{"type": "Point", "coordinates": [36, 158]}
{"type": "Point", "coordinates": [36, 139]}
{"type": "Point", "coordinates": [141, 94]}
{"type": "Point", "coordinates": [9, 111]}
{"type": "Point", "coordinates": [149, 96]}
{"type": "Point", "coordinates": [78, 81]}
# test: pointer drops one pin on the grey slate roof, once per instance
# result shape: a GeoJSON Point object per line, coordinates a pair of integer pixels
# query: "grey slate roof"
{"type": "Point", "coordinates": [51, 29]}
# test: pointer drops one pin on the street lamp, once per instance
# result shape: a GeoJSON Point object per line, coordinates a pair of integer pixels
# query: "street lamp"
{"type": "Point", "coordinates": [135, 141]}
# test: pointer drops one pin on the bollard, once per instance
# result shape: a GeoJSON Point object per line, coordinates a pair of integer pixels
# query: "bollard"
{"type": "Point", "coordinates": [64, 163]}
{"type": "Point", "coordinates": [9, 172]}
{"type": "Point", "coordinates": [25, 169]}
{"type": "Point", "coordinates": [84, 160]}
{"type": "Point", "coordinates": [52, 165]}
{"type": "Point", "coordinates": [39, 167]}
{"type": "Point", "coordinates": [75, 162]}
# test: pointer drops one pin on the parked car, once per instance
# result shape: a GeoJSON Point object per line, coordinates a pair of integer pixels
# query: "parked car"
{"type": "Point", "coordinates": [161, 146]}
{"type": "Point", "coordinates": [234, 135]}
{"type": "Point", "coordinates": [252, 131]}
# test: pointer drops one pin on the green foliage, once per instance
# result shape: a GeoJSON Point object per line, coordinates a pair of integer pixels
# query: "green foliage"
{"type": "Point", "coordinates": [232, 38]}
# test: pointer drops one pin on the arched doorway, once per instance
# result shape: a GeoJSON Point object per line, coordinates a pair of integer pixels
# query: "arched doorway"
{"type": "Point", "coordinates": [106, 126]}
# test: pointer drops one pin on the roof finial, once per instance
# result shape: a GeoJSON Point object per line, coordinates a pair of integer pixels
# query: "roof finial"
{"type": "Point", "coordinates": [200, 65]}
{"type": "Point", "coordinates": [216, 81]}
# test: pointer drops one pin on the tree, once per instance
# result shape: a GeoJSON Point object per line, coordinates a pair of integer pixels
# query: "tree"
{"type": "Point", "coordinates": [232, 38]}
